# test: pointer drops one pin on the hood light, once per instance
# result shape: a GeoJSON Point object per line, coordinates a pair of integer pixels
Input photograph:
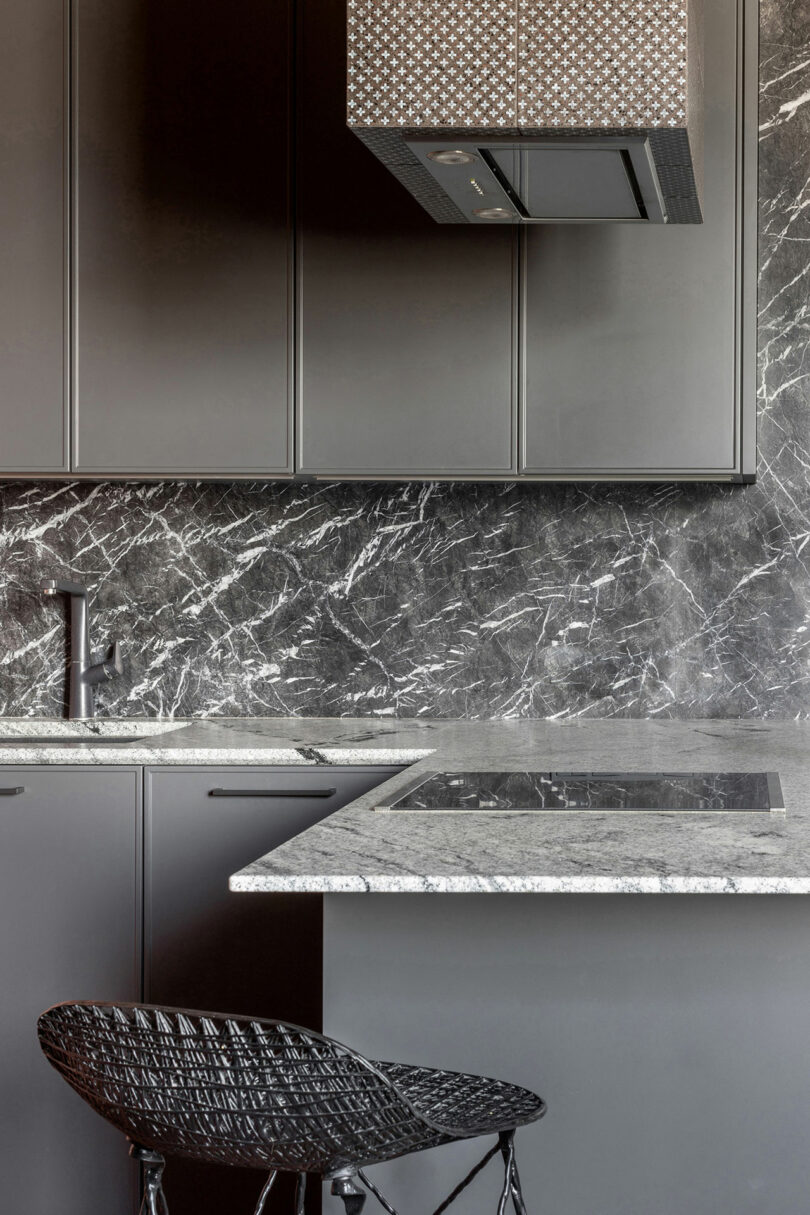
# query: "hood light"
{"type": "Point", "coordinates": [494, 213]}
{"type": "Point", "coordinates": [452, 156]}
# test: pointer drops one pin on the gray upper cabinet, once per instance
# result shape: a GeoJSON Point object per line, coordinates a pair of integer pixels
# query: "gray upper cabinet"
{"type": "Point", "coordinates": [636, 349]}
{"type": "Point", "coordinates": [219, 328]}
{"type": "Point", "coordinates": [182, 239]}
{"type": "Point", "coordinates": [636, 359]}
{"type": "Point", "coordinates": [33, 142]}
{"type": "Point", "coordinates": [70, 876]}
{"type": "Point", "coordinates": [406, 328]}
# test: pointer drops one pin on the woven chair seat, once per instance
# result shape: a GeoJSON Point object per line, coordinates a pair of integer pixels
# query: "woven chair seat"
{"type": "Point", "coordinates": [464, 1105]}
{"type": "Point", "coordinates": [264, 1094]}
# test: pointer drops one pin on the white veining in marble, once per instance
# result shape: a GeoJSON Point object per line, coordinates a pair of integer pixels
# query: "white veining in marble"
{"type": "Point", "coordinates": [358, 850]}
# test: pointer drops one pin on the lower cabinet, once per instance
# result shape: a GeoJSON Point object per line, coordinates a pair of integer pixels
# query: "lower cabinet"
{"type": "Point", "coordinates": [70, 893]}
{"type": "Point", "coordinates": [82, 870]}
{"type": "Point", "coordinates": [208, 949]}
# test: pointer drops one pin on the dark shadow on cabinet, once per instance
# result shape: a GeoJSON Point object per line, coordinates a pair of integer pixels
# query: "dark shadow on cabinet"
{"type": "Point", "coordinates": [183, 242]}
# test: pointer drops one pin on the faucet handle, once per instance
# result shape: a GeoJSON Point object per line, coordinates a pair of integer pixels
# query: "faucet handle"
{"type": "Point", "coordinates": [111, 666]}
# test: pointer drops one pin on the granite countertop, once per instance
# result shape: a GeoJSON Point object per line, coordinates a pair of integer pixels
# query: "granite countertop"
{"type": "Point", "coordinates": [215, 741]}
{"type": "Point", "coordinates": [359, 850]}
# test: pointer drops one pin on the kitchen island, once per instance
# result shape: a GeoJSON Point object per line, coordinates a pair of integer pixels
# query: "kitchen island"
{"type": "Point", "coordinates": [361, 850]}
{"type": "Point", "coordinates": [668, 1035]}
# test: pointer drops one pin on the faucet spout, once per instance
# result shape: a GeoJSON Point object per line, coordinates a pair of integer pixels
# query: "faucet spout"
{"type": "Point", "coordinates": [84, 674]}
{"type": "Point", "coordinates": [56, 586]}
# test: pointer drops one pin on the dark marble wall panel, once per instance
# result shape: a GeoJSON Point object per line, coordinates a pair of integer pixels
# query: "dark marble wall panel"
{"type": "Point", "coordinates": [460, 600]}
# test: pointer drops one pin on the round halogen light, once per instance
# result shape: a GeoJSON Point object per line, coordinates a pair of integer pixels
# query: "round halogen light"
{"type": "Point", "coordinates": [494, 213]}
{"type": "Point", "coordinates": [452, 156]}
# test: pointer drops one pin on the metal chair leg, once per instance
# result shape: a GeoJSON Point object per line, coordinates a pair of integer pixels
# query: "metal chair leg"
{"type": "Point", "coordinates": [153, 1196]}
{"type": "Point", "coordinates": [511, 1176]}
{"type": "Point", "coordinates": [517, 1191]}
{"type": "Point", "coordinates": [462, 1185]}
{"type": "Point", "coordinates": [353, 1197]}
{"type": "Point", "coordinates": [505, 1192]}
{"type": "Point", "coordinates": [153, 1164]}
{"type": "Point", "coordinates": [378, 1194]}
{"type": "Point", "coordinates": [266, 1188]}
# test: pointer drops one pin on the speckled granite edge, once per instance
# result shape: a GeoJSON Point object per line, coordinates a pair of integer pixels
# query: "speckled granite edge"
{"type": "Point", "coordinates": [214, 742]}
{"type": "Point", "coordinates": [442, 884]}
{"type": "Point", "coordinates": [129, 754]}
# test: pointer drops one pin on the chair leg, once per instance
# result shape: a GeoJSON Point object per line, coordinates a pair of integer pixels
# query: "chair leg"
{"type": "Point", "coordinates": [378, 1194]}
{"type": "Point", "coordinates": [511, 1176]}
{"type": "Point", "coordinates": [300, 1192]}
{"type": "Point", "coordinates": [266, 1188]}
{"type": "Point", "coordinates": [153, 1194]}
{"type": "Point", "coordinates": [517, 1191]}
{"type": "Point", "coordinates": [353, 1197]}
{"type": "Point", "coordinates": [154, 1200]}
{"type": "Point", "coordinates": [505, 1192]}
{"type": "Point", "coordinates": [462, 1185]}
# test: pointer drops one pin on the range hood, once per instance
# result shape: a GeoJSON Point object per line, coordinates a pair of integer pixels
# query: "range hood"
{"type": "Point", "coordinates": [533, 111]}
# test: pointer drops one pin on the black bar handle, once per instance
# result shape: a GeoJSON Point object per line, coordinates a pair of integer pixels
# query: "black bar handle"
{"type": "Point", "coordinates": [272, 792]}
{"type": "Point", "coordinates": [12, 790]}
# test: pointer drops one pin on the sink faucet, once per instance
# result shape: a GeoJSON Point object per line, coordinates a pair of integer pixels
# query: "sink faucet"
{"type": "Point", "coordinates": [83, 673]}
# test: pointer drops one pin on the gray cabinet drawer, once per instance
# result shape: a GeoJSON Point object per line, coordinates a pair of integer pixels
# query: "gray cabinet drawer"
{"type": "Point", "coordinates": [70, 885]}
{"type": "Point", "coordinates": [204, 823]}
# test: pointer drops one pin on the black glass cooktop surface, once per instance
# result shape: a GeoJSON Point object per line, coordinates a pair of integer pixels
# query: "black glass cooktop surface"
{"type": "Point", "coordinates": [639, 792]}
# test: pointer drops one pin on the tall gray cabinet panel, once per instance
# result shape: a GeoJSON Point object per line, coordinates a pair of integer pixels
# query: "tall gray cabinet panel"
{"type": "Point", "coordinates": [632, 362]}
{"type": "Point", "coordinates": [69, 929]}
{"type": "Point", "coordinates": [243, 953]}
{"type": "Point", "coordinates": [182, 237]}
{"type": "Point", "coordinates": [33, 388]}
{"type": "Point", "coordinates": [406, 327]}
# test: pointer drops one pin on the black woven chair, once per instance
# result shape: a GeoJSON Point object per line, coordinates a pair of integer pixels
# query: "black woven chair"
{"type": "Point", "coordinates": [272, 1096]}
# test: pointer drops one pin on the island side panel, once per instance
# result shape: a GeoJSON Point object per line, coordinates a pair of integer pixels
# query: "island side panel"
{"type": "Point", "coordinates": [668, 1034]}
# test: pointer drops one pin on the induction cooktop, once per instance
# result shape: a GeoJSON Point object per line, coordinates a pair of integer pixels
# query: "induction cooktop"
{"type": "Point", "coordinates": [596, 792]}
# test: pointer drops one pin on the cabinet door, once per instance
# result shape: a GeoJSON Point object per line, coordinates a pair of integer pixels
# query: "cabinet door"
{"type": "Point", "coordinates": [33, 387]}
{"type": "Point", "coordinates": [406, 325]}
{"type": "Point", "coordinates": [632, 358]}
{"type": "Point", "coordinates": [183, 239]}
{"type": "Point", "coordinates": [70, 887]}
{"type": "Point", "coordinates": [241, 953]}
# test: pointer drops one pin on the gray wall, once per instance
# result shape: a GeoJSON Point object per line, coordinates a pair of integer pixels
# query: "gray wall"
{"type": "Point", "coordinates": [455, 600]}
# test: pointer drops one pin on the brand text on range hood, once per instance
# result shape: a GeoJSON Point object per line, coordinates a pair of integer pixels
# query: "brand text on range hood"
{"type": "Point", "coordinates": [513, 111]}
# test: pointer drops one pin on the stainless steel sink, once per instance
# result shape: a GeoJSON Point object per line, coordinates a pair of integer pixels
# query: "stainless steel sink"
{"type": "Point", "coordinates": [16, 732]}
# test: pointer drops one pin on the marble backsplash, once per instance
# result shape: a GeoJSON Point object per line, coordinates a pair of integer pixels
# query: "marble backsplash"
{"type": "Point", "coordinates": [459, 600]}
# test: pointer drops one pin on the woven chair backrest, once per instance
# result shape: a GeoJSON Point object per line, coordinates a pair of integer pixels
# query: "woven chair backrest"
{"type": "Point", "coordinates": [232, 1090]}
